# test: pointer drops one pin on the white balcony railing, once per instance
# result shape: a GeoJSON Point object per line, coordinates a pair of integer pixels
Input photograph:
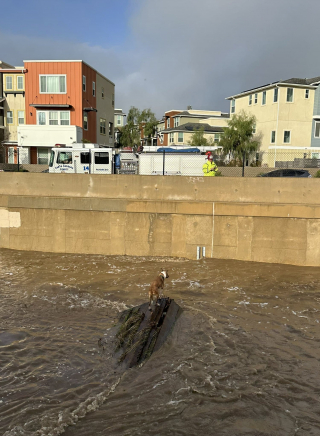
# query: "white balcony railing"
{"type": "Point", "coordinates": [31, 135]}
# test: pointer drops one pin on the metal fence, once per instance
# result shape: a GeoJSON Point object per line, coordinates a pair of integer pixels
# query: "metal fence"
{"type": "Point", "coordinates": [11, 160]}
{"type": "Point", "coordinates": [287, 163]}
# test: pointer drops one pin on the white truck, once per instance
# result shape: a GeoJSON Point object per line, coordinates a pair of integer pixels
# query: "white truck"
{"type": "Point", "coordinates": [93, 159]}
{"type": "Point", "coordinates": [81, 158]}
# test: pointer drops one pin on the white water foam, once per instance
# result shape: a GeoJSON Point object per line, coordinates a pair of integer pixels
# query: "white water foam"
{"type": "Point", "coordinates": [66, 419]}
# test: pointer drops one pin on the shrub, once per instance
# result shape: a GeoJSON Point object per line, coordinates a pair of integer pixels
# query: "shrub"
{"type": "Point", "coordinates": [317, 174]}
{"type": "Point", "coordinates": [256, 163]}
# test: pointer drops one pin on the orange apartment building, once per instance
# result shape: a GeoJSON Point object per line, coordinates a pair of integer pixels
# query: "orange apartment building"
{"type": "Point", "coordinates": [65, 102]}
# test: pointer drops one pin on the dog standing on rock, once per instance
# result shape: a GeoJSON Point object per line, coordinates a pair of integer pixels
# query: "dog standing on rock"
{"type": "Point", "coordinates": [156, 285]}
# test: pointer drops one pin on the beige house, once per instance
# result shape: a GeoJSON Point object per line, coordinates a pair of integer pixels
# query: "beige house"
{"type": "Point", "coordinates": [12, 106]}
{"type": "Point", "coordinates": [119, 118]}
{"type": "Point", "coordinates": [177, 126]}
{"type": "Point", "coordinates": [119, 121]}
{"type": "Point", "coordinates": [286, 113]}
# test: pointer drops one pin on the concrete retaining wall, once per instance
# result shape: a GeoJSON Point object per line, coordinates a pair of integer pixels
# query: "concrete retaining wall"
{"type": "Point", "coordinates": [264, 220]}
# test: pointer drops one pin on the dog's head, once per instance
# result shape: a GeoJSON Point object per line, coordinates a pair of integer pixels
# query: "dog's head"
{"type": "Point", "coordinates": [164, 273]}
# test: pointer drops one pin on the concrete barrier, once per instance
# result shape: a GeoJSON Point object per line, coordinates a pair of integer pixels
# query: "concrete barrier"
{"type": "Point", "coordinates": [260, 219]}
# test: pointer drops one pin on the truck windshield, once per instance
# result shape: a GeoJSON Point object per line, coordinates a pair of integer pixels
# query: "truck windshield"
{"type": "Point", "coordinates": [64, 157]}
{"type": "Point", "coordinates": [51, 158]}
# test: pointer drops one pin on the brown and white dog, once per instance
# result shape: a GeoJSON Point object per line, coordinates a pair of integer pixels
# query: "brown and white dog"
{"type": "Point", "coordinates": [156, 285]}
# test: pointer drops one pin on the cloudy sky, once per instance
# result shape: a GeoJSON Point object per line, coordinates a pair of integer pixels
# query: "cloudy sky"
{"type": "Point", "coordinates": [168, 54]}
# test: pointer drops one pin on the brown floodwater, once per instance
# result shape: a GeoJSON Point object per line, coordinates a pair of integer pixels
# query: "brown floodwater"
{"type": "Point", "coordinates": [243, 358]}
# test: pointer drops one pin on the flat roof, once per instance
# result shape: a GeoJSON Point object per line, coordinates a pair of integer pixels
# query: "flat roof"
{"type": "Point", "coordinates": [54, 60]}
{"type": "Point", "coordinates": [19, 70]}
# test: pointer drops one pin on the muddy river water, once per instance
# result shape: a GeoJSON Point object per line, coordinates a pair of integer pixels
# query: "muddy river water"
{"type": "Point", "coordinates": [243, 358]}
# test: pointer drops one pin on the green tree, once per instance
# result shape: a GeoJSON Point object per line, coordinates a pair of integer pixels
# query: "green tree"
{"type": "Point", "coordinates": [239, 138]}
{"type": "Point", "coordinates": [197, 138]}
{"type": "Point", "coordinates": [148, 118]}
{"type": "Point", "coordinates": [136, 121]}
{"type": "Point", "coordinates": [130, 135]}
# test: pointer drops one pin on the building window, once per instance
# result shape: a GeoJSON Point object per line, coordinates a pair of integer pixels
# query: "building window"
{"type": "Point", "coordinates": [43, 156]}
{"type": "Point", "coordinates": [110, 129]}
{"type": "Point", "coordinates": [85, 121]}
{"type": "Point", "coordinates": [287, 136]}
{"type": "Point", "coordinates": [254, 128]}
{"type": "Point", "coordinates": [171, 137]}
{"type": "Point", "coordinates": [250, 99]}
{"type": "Point", "coordinates": [176, 121]}
{"type": "Point", "coordinates": [84, 83]}
{"type": "Point", "coordinates": [20, 83]}
{"type": "Point", "coordinates": [168, 123]}
{"type": "Point", "coordinates": [112, 100]}
{"type": "Point", "coordinates": [65, 118]}
{"type": "Point", "coordinates": [20, 117]}
{"type": "Point", "coordinates": [119, 120]}
{"type": "Point", "coordinates": [264, 97]}
{"type": "Point", "coordinates": [41, 118]}
{"type": "Point", "coordinates": [290, 95]}
{"type": "Point", "coordinates": [10, 117]}
{"type": "Point", "coordinates": [11, 153]}
{"type": "Point", "coordinates": [94, 89]}
{"type": "Point", "coordinates": [102, 92]}
{"type": "Point", "coordinates": [9, 83]}
{"type": "Point", "coordinates": [275, 95]}
{"type": "Point", "coordinates": [216, 137]}
{"type": "Point", "coordinates": [307, 93]}
{"type": "Point", "coordinates": [273, 137]}
{"type": "Point", "coordinates": [180, 137]}
{"type": "Point", "coordinates": [233, 106]}
{"type": "Point", "coordinates": [255, 98]}
{"type": "Point", "coordinates": [53, 118]}
{"type": "Point", "coordinates": [102, 126]}
{"type": "Point", "coordinates": [52, 84]}
{"type": "Point", "coordinates": [317, 129]}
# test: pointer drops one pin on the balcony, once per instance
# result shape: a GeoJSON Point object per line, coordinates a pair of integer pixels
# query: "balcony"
{"type": "Point", "coordinates": [32, 135]}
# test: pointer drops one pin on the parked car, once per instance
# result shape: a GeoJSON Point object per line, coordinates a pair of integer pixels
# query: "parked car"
{"type": "Point", "coordinates": [287, 173]}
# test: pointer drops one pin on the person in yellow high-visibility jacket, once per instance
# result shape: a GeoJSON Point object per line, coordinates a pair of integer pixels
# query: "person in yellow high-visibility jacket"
{"type": "Point", "coordinates": [209, 168]}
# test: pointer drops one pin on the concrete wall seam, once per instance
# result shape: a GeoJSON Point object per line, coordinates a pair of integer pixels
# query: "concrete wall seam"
{"type": "Point", "coordinates": [212, 230]}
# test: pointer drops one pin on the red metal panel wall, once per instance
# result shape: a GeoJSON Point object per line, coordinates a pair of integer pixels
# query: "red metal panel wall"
{"type": "Point", "coordinates": [72, 97]}
{"type": "Point", "coordinates": [166, 135]}
{"type": "Point", "coordinates": [88, 100]}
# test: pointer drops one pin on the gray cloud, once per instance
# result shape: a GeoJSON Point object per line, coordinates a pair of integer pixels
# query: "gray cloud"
{"type": "Point", "coordinates": [182, 52]}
